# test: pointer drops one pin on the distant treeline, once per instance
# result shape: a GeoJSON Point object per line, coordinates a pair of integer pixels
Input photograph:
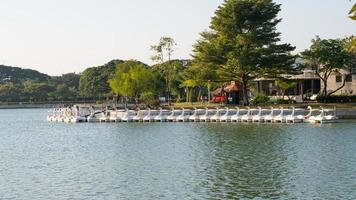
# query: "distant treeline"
{"type": "Point", "coordinates": [26, 85]}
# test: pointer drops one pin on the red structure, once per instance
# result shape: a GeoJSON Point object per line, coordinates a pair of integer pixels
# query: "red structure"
{"type": "Point", "coordinates": [219, 96]}
{"type": "Point", "coordinates": [229, 94]}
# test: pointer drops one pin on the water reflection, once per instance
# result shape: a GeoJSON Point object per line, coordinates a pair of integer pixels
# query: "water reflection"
{"type": "Point", "coordinates": [241, 164]}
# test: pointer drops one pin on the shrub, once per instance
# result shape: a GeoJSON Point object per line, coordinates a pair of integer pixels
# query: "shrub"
{"type": "Point", "coordinates": [260, 99]}
{"type": "Point", "coordinates": [149, 98]}
{"type": "Point", "coordinates": [284, 101]}
{"type": "Point", "coordinates": [336, 99]}
{"type": "Point", "coordinates": [101, 101]}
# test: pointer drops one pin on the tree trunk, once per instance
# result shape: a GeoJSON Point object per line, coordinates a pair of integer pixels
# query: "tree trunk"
{"type": "Point", "coordinates": [169, 97]}
{"type": "Point", "coordinates": [169, 81]}
{"type": "Point", "coordinates": [283, 94]}
{"type": "Point", "coordinates": [245, 94]}
{"type": "Point", "coordinates": [325, 88]}
{"type": "Point", "coordinates": [168, 94]}
{"type": "Point", "coordinates": [136, 100]}
{"type": "Point", "coordinates": [246, 100]}
{"type": "Point", "coordinates": [178, 98]}
{"type": "Point", "coordinates": [191, 95]}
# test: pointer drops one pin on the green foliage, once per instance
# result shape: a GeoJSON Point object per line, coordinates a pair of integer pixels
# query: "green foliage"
{"type": "Point", "coordinates": [283, 101]}
{"type": "Point", "coordinates": [149, 98]}
{"type": "Point", "coordinates": [36, 91]}
{"type": "Point", "coordinates": [162, 55]}
{"type": "Point", "coordinates": [285, 85]}
{"type": "Point", "coordinates": [336, 99]}
{"type": "Point", "coordinates": [193, 80]}
{"type": "Point", "coordinates": [163, 50]}
{"type": "Point", "coordinates": [260, 99]}
{"type": "Point", "coordinates": [132, 78]}
{"type": "Point", "coordinates": [94, 81]}
{"type": "Point", "coordinates": [352, 12]}
{"type": "Point", "coordinates": [352, 47]}
{"type": "Point", "coordinates": [9, 92]}
{"type": "Point", "coordinates": [176, 67]}
{"type": "Point", "coordinates": [70, 80]}
{"type": "Point", "coordinates": [66, 86]}
{"type": "Point", "coordinates": [18, 85]}
{"type": "Point", "coordinates": [243, 43]}
{"type": "Point", "coordinates": [17, 75]}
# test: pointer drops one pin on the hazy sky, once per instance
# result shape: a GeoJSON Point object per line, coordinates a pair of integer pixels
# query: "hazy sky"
{"type": "Point", "coordinates": [60, 36]}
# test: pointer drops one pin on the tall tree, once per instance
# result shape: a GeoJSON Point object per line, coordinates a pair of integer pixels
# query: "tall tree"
{"type": "Point", "coordinates": [243, 43]}
{"type": "Point", "coordinates": [327, 56]}
{"type": "Point", "coordinates": [176, 67]}
{"type": "Point", "coordinates": [163, 54]}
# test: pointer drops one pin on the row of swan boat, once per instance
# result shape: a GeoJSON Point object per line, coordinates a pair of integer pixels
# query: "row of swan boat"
{"type": "Point", "coordinates": [248, 115]}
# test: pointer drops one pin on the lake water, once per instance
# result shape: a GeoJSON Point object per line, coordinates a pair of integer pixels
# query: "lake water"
{"type": "Point", "coordinates": [41, 160]}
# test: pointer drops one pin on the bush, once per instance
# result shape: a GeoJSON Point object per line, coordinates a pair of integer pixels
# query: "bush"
{"type": "Point", "coordinates": [336, 99]}
{"type": "Point", "coordinates": [101, 101]}
{"type": "Point", "coordinates": [284, 101]}
{"type": "Point", "coordinates": [149, 98]}
{"type": "Point", "coordinates": [260, 99]}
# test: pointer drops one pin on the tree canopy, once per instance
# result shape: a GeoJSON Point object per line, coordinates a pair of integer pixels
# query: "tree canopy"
{"type": "Point", "coordinates": [243, 43]}
{"type": "Point", "coordinates": [94, 81]}
{"type": "Point", "coordinates": [162, 55]}
{"type": "Point", "coordinates": [352, 12]}
{"type": "Point", "coordinates": [132, 78]}
{"type": "Point", "coordinates": [17, 84]}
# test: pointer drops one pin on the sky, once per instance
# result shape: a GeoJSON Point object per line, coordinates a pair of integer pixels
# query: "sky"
{"type": "Point", "coordinates": [63, 36]}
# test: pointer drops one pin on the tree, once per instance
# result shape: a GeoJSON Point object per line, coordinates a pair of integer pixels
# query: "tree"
{"type": "Point", "coordinates": [285, 85]}
{"type": "Point", "coordinates": [94, 81]}
{"type": "Point", "coordinates": [63, 91]}
{"type": "Point", "coordinates": [243, 43]}
{"type": "Point", "coordinates": [149, 98]}
{"type": "Point", "coordinates": [189, 84]}
{"type": "Point", "coordinates": [163, 54]}
{"type": "Point", "coordinates": [352, 13]}
{"type": "Point", "coordinates": [70, 79]}
{"type": "Point", "coordinates": [176, 67]}
{"type": "Point", "coordinates": [132, 78]}
{"type": "Point", "coordinates": [37, 91]}
{"type": "Point", "coordinates": [18, 76]}
{"type": "Point", "coordinates": [193, 77]}
{"type": "Point", "coordinates": [9, 92]}
{"type": "Point", "coordinates": [327, 56]}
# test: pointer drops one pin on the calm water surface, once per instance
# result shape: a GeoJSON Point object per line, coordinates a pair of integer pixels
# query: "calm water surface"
{"type": "Point", "coordinates": [40, 160]}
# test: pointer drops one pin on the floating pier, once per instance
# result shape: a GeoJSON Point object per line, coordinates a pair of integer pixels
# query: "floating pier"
{"type": "Point", "coordinates": [76, 114]}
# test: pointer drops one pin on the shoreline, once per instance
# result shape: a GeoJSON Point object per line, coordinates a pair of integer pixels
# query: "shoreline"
{"type": "Point", "coordinates": [25, 106]}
